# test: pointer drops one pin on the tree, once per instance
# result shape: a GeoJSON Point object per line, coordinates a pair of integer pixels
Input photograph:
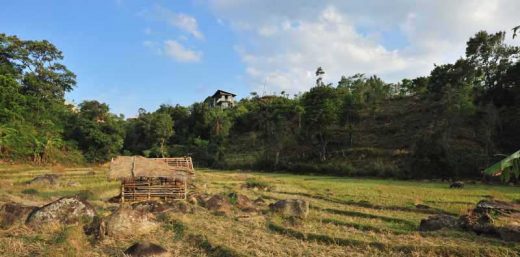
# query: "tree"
{"type": "Point", "coordinates": [162, 129]}
{"type": "Point", "coordinates": [98, 133]}
{"type": "Point", "coordinates": [320, 116]}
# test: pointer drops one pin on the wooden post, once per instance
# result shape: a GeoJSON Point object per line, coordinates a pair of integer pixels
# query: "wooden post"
{"type": "Point", "coordinates": [122, 192]}
{"type": "Point", "coordinates": [149, 187]}
{"type": "Point", "coordinates": [185, 187]}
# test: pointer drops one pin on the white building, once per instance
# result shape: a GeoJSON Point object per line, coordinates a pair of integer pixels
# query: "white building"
{"type": "Point", "coordinates": [223, 99]}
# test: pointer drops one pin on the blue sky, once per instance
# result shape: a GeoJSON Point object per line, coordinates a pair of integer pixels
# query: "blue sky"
{"type": "Point", "coordinates": [103, 43]}
{"type": "Point", "coordinates": [136, 53]}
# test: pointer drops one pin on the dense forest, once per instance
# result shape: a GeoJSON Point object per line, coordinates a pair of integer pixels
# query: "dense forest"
{"type": "Point", "coordinates": [450, 124]}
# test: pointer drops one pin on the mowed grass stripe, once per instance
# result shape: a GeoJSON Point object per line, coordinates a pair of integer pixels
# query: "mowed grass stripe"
{"type": "Point", "coordinates": [365, 204]}
{"type": "Point", "coordinates": [409, 224]}
{"type": "Point", "coordinates": [407, 249]}
{"type": "Point", "coordinates": [361, 227]}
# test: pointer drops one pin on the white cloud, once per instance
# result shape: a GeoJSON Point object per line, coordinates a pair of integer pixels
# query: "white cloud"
{"type": "Point", "coordinates": [180, 53]}
{"type": "Point", "coordinates": [282, 42]}
{"type": "Point", "coordinates": [181, 21]}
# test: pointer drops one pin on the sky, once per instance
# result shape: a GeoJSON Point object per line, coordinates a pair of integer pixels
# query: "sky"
{"type": "Point", "coordinates": [135, 54]}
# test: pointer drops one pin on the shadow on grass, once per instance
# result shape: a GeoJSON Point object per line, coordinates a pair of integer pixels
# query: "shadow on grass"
{"type": "Point", "coordinates": [407, 249]}
{"type": "Point", "coordinates": [409, 225]}
{"type": "Point", "coordinates": [362, 227]}
{"type": "Point", "coordinates": [366, 204]}
{"type": "Point", "coordinates": [203, 243]}
{"type": "Point", "coordinates": [197, 240]}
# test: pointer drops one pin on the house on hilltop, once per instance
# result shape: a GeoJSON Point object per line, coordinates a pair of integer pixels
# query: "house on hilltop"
{"type": "Point", "coordinates": [222, 99]}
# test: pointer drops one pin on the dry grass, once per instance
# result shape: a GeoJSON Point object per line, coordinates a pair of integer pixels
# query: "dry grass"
{"type": "Point", "coordinates": [349, 217]}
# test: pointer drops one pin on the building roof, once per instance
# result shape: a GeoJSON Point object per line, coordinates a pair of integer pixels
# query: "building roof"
{"type": "Point", "coordinates": [222, 92]}
{"type": "Point", "coordinates": [137, 166]}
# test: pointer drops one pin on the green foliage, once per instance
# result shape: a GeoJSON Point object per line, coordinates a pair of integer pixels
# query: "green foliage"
{"type": "Point", "coordinates": [253, 182]}
{"type": "Point", "coordinates": [447, 124]}
{"type": "Point", "coordinates": [99, 134]}
{"type": "Point", "coordinates": [507, 168]}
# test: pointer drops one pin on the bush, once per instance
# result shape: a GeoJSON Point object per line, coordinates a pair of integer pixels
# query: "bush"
{"type": "Point", "coordinates": [252, 183]}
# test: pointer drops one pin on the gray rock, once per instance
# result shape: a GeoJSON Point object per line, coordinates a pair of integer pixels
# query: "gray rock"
{"type": "Point", "coordinates": [66, 210]}
{"type": "Point", "coordinates": [129, 222]}
{"type": "Point", "coordinates": [49, 179]}
{"type": "Point", "coordinates": [486, 206]}
{"type": "Point", "coordinates": [510, 233]}
{"type": "Point", "coordinates": [12, 213]}
{"type": "Point", "coordinates": [296, 208]}
{"type": "Point", "coordinates": [437, 222]}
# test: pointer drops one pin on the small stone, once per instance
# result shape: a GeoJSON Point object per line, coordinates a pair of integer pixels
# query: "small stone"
{"type": "Point", "coordinates": [146, 249]}
{"type": "Point", "coordinates": [457, 184]}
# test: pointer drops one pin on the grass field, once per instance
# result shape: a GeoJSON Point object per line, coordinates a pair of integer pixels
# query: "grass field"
{"type": "Point", "coordinates": [348, 217]}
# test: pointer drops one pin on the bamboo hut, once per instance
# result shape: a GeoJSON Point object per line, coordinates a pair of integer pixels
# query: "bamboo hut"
{"type": "Point", "coordinates": [152, 178]}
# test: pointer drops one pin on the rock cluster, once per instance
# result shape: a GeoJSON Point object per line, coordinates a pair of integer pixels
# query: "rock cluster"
{"type": "Point", "coordinates": [480, 220]}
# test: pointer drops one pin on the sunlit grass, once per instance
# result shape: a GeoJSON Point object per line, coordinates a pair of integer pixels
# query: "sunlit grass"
{"type": "Point", "coordinates": [368, 217]}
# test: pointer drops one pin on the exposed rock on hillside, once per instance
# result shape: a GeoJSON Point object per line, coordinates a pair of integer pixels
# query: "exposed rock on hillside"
{"type": "Point", "coordinates": [291, 208]}
{"type": "Point", "coordinates": [66, 210]}
{"type": "Point", "coordinates": [127, 221]}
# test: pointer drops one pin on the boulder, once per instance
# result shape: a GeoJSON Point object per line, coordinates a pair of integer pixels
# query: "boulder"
{"type": "Point", "coordinates": [510, 233]}
{"type": "Point", "coordinates": [457, 184]}
{"type": "Point", "coordinates": [146, 249]}
{"type": "Point", "coordinates": [219, 204]}
{"type": "Point", "coordinates": [129, 222]}
{"type": "Point", "coordinates": [487, 206]}
{"type": "Point", "coordinates": [242, 202]}
{"type": "Point", "coordinates": [296, 208]}
{"type": "Point", "coordinates": [437, 222]}
{"type": "Point", "coordinates": [48, 179]}
{"type": "Point", "coordinates": [12, 213]}
{"type": "Point", "coordinates": [66, 210]}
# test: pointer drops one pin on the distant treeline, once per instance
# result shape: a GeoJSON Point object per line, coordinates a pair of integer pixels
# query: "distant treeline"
{"type": "Point", "coordinates": [452, 123]}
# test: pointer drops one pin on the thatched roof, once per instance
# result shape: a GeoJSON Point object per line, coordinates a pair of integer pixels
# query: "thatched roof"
{"type": "Point", "coordinates": [138, 166]}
